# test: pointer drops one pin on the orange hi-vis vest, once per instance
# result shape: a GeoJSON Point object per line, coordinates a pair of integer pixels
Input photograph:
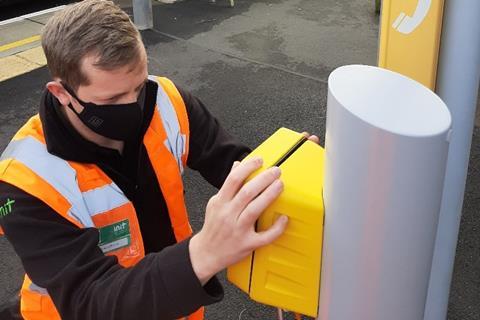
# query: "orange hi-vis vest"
{"type": "Point", "coordinates": [84, 195]}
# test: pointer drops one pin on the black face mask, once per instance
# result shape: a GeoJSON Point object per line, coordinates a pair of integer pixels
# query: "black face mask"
{"type": "Point", "coordinates": [114, 121]}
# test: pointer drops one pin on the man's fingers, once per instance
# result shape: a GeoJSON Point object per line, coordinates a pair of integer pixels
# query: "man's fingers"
{"type": "Point", "coordinates": [314, 139]}
{"type": "Point", "coordinates": [255, 208]}
{"type": "Point", "coordinates": [237, 176]}
{"type": "Point", "coordinates": [271, 234]}
{"type": "Point", "coordinates": [254, 187]}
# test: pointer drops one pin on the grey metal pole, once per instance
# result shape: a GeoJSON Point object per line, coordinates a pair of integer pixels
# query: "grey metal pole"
{"type": "Point", "coordinates": [457, 85]}
{"type": "Point", "coordinates": [386, 149]}
{"type": "Point", "coordinates": [142, 14]}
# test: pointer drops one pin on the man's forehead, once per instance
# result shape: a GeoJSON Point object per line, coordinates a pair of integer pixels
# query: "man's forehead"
{"type": "Point", "coordinates": [115, 80]}
{"type": "Point", "coordinates": [90, 64]}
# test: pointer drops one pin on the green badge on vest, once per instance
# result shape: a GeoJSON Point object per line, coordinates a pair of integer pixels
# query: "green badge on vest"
{"type": "Point", "coordinates": [6, 208]}
{"type": "Point", "coordinates": [114, 236]}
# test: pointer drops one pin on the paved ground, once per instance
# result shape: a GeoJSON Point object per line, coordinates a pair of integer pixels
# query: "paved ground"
{"type": "Point", "coordinates": [258, 66]}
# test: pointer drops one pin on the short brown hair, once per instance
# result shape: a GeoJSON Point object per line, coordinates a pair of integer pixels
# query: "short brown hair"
{"type": "Point", "coordinates": [97, 27]}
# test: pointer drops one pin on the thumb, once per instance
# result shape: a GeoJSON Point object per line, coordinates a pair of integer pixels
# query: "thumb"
{"type": "Point", "coordinates": [235, 164]}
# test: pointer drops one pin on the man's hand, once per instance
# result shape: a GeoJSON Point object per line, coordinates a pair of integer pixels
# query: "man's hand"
{"type": "Point", "coordinates": [312, 138]}
{"type": "Point", "coordinates": [228, 234]}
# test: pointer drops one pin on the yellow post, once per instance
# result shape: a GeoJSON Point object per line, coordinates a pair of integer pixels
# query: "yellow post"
{"type": "Point", "coordinates": [410, 38]}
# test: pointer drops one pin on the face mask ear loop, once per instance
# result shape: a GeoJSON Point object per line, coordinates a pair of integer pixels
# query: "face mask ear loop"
{"type": "Point", "coordinates": [70, 91]}
{"type": "Point", "coordinates": [73, 109]}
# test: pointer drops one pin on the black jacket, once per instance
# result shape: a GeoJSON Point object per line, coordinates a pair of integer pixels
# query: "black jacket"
{"type": "Point", "coordinates": [66, 260]}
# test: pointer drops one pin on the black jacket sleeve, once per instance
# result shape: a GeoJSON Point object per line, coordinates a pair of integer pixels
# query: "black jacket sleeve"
{"type": "Point", "coordinates": [212, 150]}
{"type": "Point", "coordinates": [86, 284]}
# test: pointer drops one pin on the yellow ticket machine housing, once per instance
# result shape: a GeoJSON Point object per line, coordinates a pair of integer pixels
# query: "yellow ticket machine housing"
{"type": "Point", "coordinates": [286, 273]}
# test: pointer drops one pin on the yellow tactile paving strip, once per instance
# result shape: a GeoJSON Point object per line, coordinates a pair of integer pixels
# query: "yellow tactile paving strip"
{"type": "Point", "coordinates": [21, 63]}
{"type": "Point", "coordinates": [19, 43]}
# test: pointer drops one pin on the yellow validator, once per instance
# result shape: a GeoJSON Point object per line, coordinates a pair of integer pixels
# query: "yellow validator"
{"type": "Point", "coordinates": [286, 273]}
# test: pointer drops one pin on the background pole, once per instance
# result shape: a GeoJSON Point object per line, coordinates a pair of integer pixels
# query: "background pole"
{"type": "Point", "coordinates": [457, 85]}
{"type": "Point", "coordinates": [142, 14]}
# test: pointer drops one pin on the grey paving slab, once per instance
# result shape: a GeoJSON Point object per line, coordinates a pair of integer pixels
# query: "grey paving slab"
{"type": "Point", "coordinates": [22, 48]}
{"type": "Point", "coordinates": [311, 37]}
{"type": "Point", "coordinates": [42, 19]}
{"type": "Point", "coordinates": [18, 30]}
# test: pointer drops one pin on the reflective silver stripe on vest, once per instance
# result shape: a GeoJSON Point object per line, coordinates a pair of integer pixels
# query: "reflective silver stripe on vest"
{"type": "Point", "coordinates": [33, 287]}
{"type": "Point", "coordinates": [7, 153]}
{"type": "Point", "coordinates": [63, 178]}
{"type": "Point", "coordinates": [176, 141]}
{"type": "Point", "coordinates": [103, 199]}
{"type": "Point", "coordinates": [54, 170]}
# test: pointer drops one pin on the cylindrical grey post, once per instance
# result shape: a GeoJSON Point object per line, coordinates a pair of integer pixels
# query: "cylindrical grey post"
{"type": "Point", "coordinates": [386, 148]}
{"type": "Point", "coordinates": [142, 14]}
{"type": "Point", "coordinates": [457, 85]}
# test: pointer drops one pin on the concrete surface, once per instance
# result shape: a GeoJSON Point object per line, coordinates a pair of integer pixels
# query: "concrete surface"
{"type": "Point", "coordinates": [16, 32]}
{"type": "Point", "coordinates": [21, 62]}
{"type": "Point", "coordinates": [258, 66]}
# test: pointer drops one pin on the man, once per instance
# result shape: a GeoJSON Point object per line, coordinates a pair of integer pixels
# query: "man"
{"type": "Point", "coordinates": [91, 195]}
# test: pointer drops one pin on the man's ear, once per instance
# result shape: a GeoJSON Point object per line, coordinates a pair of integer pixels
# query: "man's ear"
{"type": "Point", "coordinates": [59, 92]}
